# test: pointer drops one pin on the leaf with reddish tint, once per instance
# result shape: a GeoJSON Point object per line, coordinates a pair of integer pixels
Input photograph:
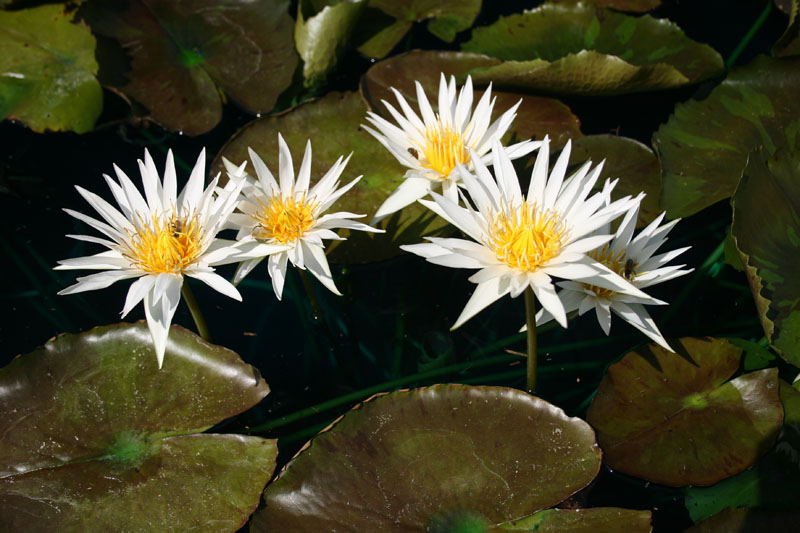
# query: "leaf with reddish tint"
{"type": "Point", "coordinates": [704, 146]}
{"type": "Point", "coordinates": [333, 123]}
{"type": "Point", "coordinates": [675, 419]}
{"type": "Point", "coordinates": [766, 227]}
{"type": "Point", "coordinates": [184, 54]}
{"type": "Point", "coordinates": [635, 165]}
{"type": "Point", "coordinates": [583, 49]}
{"type": "Point", "coordinates": [96, 437]}
{"type": "Point", "coordinates": [536, 116]}
{"type": "Point", "coordinates": [605, 519]}
{"type": "Point", "coordinates": [446, 454]}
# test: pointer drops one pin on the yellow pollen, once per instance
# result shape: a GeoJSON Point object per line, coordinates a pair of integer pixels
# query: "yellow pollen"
{"type": "Point", "coordinates": [527, 238]}
{"type": "Point", "coordinates": [166, 245]}
{"type": "Point", "coordinates": [284, 220]}
{"type": "Point", "coordinates": [444, 148]}
{"type": "Point", "coordinates": [615, 262]}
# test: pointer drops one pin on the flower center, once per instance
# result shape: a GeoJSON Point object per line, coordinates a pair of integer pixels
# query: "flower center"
{"type": "Point", "coordinates": [615, 262]}
{"type": "Point", "coordinates": [284, 219]}
{"type": "Point", "coordinates": [166, 245]}
{"type": "Point", "coordinates": [444, 148]}
{"type": "Point", "coordinates": [527, 238]}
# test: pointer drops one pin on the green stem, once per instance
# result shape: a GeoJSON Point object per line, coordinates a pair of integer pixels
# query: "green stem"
{"type": "Point", "coordinates": [530, 319]}
{"type": "Point", "coordinates": [749, 35]}
{"type": "Point", "coordinates": [194, 308]}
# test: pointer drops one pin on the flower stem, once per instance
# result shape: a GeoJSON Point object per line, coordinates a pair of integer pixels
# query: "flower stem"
{"type": "Point", "coordinates": [197, 315]}
{"type": "Point", "coordinates": [530, 319]}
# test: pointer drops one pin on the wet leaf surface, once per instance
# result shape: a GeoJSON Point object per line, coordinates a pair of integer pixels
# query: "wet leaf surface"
{"type": "Point", "coordinates": [94, 433]}
{"type": "Point", "coordinates": [47, 70]}
{"type": "Point", "coordinates": [766, 227]}
{"type": "Point", "coordinates": [333, 125]}
{"type": "Point", "coordinates": [606, 519]}
{"type": "Point", "coordinates": [410, 459]}
{"type": "Point", "coordinates": [184, 54]}
{"type": "Point", "coordinates": [675, 419]}
{"type": "Point", "coordinates": [582, 49]}
{"type": "Point", "coordinates": [536, 116]}
{"type": "Point", "coordinates": [704, 146]}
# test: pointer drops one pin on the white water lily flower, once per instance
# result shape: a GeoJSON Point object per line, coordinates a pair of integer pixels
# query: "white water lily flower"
{"type": "Point", "coordinates": [632, 258]}
{"type": "Point", "coordinates": [522, 241]}
{"type": "Point", "coordinates": [158, 238]}
{"type": "Point", "coordinates": [288, 213]}
{"type": "Point", "coordinates": [432, 147]}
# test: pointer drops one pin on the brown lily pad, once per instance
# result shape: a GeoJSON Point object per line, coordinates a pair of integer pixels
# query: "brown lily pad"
{"type": "Point", "coordinates": [606, 519]}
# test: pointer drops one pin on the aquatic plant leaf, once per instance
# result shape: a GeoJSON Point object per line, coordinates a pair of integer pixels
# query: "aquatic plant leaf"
{"type": "Point", "coordinates": [47, 70]}
{"type": "Point", "coordinates": [606, 519]}
{"type": "Point", "coordinates": [447, 17]}
{"type": "Point", "coordinates": [635, 165]}
{"type": "Point", "coordinates": [95, 436]}
{"type": "Point", "coordinates": [789, 42]}
{"type": "Point", "coordinates": [622, 5]}
{"type": "Point", "coordinates": [536, 115]}
{"type": "Point", "coordinates": [582, 49]}
{"type": "Point", "coordinates": [335, 120]}
{"type": "Point", "coordinates": [377, 33]}
{"type": "Point", "coordinates": [704, 146]}
{"type": "Point", "coordinates": [184, 54]}
{"type": "Point", "coordinates": [747, 521]}
{"type": "Point", "coordinates": [674, 418]}
{"type": "Point", "coordinates": [766, 227]}
{"type": "Point", "coordinates": [436, 455]}
{"type": "Point", "coordinates": [321, 36]}
{"type": "Point", "coordinates": [770, 484]}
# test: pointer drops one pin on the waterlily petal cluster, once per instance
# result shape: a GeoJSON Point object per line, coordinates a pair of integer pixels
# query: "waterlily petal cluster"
{"type": "Point", "coordinates": [435, 144]}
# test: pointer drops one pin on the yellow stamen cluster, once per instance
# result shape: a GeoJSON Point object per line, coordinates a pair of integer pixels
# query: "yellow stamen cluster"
{"type": "Point", "coordinates": [284, 220]}
{"type": "Point", "coordinates": [527, 238]}
{"type": "Point", "coordinates": [444, 148]}
{"type": "Point", "coordinates": [615, 262]}
{"type": "Point", "coordinates": [166, 245]}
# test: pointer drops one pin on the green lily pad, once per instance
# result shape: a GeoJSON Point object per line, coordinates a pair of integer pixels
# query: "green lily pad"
{"type": "Point", "coordinates": [606, 519]}
{"type": "Point", "coordinates": [766, 227]}
{"type": "Point", "coordinates": [704, 146]}
{"type": "Point", "coordinates": [622, 5]}
{"type": "Point", "coordinates": [635, 165]}
{"type": "Point", "coordinates": [321, 36]}
{"type": "Point", "coordinates": [770, 484]}
{"type": "Point", "coordinates": [536, 116]}
{"type": "Point", "coordinates": [582, 49]}
{"type": "Point", "coordinates": [447, 453]}
{"type": "Point", "coordinates": [789, 42]}
{"type": "Point", "coordinates": [674, 418]}
{"type": "Point", "coordinates": [183, 55]}
{"type": "Point", "coordinates": [333, 123]}
{"type": "Point", "coordinates": [47, 70]}
{"type": "Point", "coordinates": [747, 521]}
{"type": "Point", "coordinates": [96, 435]}
{"type": "Point", "coordinates": [378, 33]}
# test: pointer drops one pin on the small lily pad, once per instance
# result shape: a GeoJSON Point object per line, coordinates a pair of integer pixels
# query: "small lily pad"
{"type": "Point", "coordinates": [606, 519]}
{"type": "Point", "coordinates": [47, 70]}
{"type": "Point", "coordinates": [183, 55]}
{"type": "Point", "coordinates": [333, 124]}
{"type": "Point", "coordinates": [536, 115]}
{"type": "Point", "coordinates": [583, 49]}
{"type": "Point", "coordinates": [766, 227]}
{"type": "Point", "coordinates": [412, 459]}
{"type": "Point", "coordinates": [705, 144]}
{"type": "Point", "coordinates": [635, 165]}
{"type": "Point", "coordinates": [674, 418]}
{"type": "Point", "coordinates": [96, 435]}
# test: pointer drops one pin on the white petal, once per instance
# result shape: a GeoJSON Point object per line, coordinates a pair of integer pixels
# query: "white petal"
{"type": "Point", "coordinates": [137, 292]}
{"type": "Point", "coordinates": [485, 294]}
{"type": "Point", "coordinates": [276, 266]}
{"type": "Point", "coordinates": [285, 168]}
{"type": "Point", "coordinates": [603, 315]}
{"type": "Point", "coordinates": [304, 174]}
{"type": "Point", "coordinates": [539, 174]}
{"type": "Point", "coordinates": [317, 264]}
{"type": "Point", "coordinates": [546, 294]}
{"type": "Point", "coordinates": [411, 190]}
{"type": "Point", "coordinates": [193, 191]}
{"type": "Point", "coordinates": [637, 316]}
{"type": "Point", "coordinates": [159, 308]}
{"type": "Point", "coordinates": [101, 280]}
{"type": "Point", "coordinates": [216, 282]}
{"type": "Point", "coordinates": [244, 268]}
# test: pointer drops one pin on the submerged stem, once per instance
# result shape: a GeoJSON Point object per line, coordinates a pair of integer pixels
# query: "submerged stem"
{"type": "Point", "coordinates": [194, 308]}
{"type": "Point", "coordinates": [530, 319]}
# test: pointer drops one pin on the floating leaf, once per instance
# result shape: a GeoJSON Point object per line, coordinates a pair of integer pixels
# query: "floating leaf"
{"type": "Point", "coordinates": [47, 70]}
{"type": "Point", "coordinates": [333, 123]}
{"type": "Point", "coordinates": [448, 17]}
{"type": "Point", "coordinates": [766, 227]}
{"type": "Point", "coordinates": [582, 49]}
{"type": "Point", "coordinates": [704, 146]}
{"type": "Point", "coordinates": [183, 54]}
{"type": "Point", "coordinates": [536, 116]}
{"type": "Point", "coordinates": [623, 5]}
{"type": "Point", "coordinates": [377, 33]}
{"type": "Point", "coordinates": [747, 521]}
{"type": "Point", "coordinates": [443, 454]}
{"type": "Point", "coordinates": [321, 36]}
{"type": "Point", "coordinates": [674, 418]}
{"type": "Point", "coordinates": [97, 437]}
{"type": "Point", "coordinates": [606, 519]}
{"type": "Point", "coordinates": [635, 165]}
